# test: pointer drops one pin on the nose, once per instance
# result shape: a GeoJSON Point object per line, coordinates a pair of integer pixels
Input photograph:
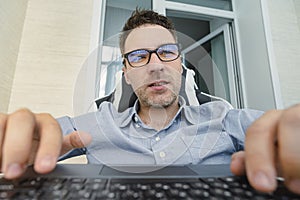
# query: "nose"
{"type": "Point", "coordinates": [154, 58]}
{"type": "Point", "coordinates": [155, 64]}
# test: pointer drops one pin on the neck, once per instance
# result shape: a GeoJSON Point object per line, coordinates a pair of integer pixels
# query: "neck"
{"type": "Point", "coordinates": [158, 117]}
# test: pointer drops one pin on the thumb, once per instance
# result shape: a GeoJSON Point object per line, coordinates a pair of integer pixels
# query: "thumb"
{"type": "Point", "coordinates": [237, 164]}
{"type": "Point", "coordinates": [76, 139]}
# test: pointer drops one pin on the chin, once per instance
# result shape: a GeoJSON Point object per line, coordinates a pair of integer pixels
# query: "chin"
{"type": "Point", "coordinates": [162, 102]}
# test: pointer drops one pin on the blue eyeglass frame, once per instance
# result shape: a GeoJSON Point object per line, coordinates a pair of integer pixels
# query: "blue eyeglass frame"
{"type": "Point", "coordinates": [150, 54]}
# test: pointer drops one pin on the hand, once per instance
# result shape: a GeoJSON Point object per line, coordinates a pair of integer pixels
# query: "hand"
{"type": "Point", "coordinates": [272, 148]}
{"type": "Point", "coordinates": [27, 138]}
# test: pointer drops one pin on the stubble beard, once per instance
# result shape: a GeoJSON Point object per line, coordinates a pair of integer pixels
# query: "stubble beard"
{"type": "Point", "coordinates": [156, 102]}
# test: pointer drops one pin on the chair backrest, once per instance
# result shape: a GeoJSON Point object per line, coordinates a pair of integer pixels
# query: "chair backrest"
{"type": "Point", "coordinates": [124, 97]}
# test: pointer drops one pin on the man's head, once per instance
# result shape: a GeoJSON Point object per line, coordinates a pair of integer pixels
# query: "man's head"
{"type": "Point", "coordinates": [151, 59]}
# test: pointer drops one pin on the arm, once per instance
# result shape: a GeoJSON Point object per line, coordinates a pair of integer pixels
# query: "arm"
{"type": "Point", "coordinates": [271, 149]}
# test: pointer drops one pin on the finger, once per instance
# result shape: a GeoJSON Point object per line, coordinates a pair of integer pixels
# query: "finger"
{"type": "Point", "coordinates": [3, 119]}
{"type": "Point", "coordinates": [50, 143]}
{"type": "Point", "coordinates": [288, 144]}
{"type": "Point", "coordinates": [237, 165]}
{"type": "Point", "coordinates": [17, 142]}
{"type": "Point", "coordinates": [260, 152]}
{"type": "Point", "coordinates": [76, 139]}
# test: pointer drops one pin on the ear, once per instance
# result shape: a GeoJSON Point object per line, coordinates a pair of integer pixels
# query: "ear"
{"type": "Point", "coordinates": [125, 71]}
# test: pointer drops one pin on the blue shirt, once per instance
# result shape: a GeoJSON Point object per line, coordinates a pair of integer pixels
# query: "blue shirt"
{"type": "Point", "coordinates": [206, 134]}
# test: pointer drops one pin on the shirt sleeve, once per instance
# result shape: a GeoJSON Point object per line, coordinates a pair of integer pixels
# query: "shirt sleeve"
{"type": "Point", "coordinates": [67, 127]}
{"type": "Point", "coordinates": [236, 123]}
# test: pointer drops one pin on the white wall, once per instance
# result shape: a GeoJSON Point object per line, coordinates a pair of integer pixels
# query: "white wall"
{"type": "Point", "coordinates": [285, 29]}
{"type": "Point", "coordinates": [12, 14]}
{"type": "Point", "coordinates": [55, 43]}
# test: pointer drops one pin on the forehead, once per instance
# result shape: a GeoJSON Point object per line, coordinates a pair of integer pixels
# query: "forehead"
{"type": "Point", "coordinates": [148, 36]}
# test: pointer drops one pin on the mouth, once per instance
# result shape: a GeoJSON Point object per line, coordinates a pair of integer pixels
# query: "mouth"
{"type": "Point", "coordinates": [158, 83]}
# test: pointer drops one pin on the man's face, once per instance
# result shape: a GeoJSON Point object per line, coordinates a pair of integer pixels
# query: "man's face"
{"type": "Point", "coordinates": [156, 83]}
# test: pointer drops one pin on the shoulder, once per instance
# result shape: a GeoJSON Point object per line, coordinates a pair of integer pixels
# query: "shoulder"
{"type": "Point", "coordinates": [217, 107]}
{"type": "Point", "coordinates": [109, 108]}
{"type": "Point", "coordinates": [241, 118]}
{"type": "Point", "coordinates": [244, 114]}
{"type": "Point", "coordinates": [206, 111]}
{"type": "Point", "coordinates": [108, 113]}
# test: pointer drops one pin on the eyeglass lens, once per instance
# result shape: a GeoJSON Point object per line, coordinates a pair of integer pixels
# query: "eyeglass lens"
{"type": "Point", "coordinates": [167, 52]}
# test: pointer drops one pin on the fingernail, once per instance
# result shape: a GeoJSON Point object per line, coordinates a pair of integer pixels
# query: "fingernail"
{"type": "Point", "coordinates": [294, 185]}
{"type": "Point", "coordinates": [235, 162]}
{"type": "Point", "coordinates": [47, 162]}
{"type": "Point", "coordinates": [233, 157]}
{"type": "Point", "coordinates": [264, 182]}
{"type": "Point", "coordinates": [13, 170]}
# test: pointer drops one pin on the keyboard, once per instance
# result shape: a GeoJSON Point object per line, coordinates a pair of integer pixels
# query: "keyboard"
{"type": "Point", "coordinates": [233, 188]}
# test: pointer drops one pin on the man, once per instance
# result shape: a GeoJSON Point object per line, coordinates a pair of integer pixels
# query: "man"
{"type": "Point", "coordinates": [160, 128]}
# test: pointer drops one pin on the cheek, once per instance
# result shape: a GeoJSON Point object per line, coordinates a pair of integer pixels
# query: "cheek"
{"type": "Point", "coordinates": [176, 69]}
{"type": "Point", "coordinates": [135, 78]}
{"type": "Point", "coordinates": [179, 66]}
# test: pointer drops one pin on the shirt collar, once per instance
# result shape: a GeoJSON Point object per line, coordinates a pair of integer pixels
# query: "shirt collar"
{"type": "Point", "coordinates": [126, 117]}
{"type": "Point", "coordinates": [188, 113]}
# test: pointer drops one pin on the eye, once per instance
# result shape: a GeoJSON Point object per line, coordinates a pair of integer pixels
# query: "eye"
{"type": "Point", "coordinates": [138, 56]}
{"type": "Point", "coordinates": [168, 51]}
{"type": "Point", "coordinates": [165, 55]}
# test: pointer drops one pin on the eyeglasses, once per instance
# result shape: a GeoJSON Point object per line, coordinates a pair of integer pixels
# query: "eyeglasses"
{"type": "Point", "coordinates": [141, 57]}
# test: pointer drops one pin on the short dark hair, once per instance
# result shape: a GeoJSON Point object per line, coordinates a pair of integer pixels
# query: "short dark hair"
{"type": "Point", "coordinates": [140, 17]}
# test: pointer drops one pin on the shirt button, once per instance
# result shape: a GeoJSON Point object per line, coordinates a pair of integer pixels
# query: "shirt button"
{"type": "Point", "coordinates": [135, 118]}
{"type": "Point", "coordinates": [157, 138]}
{"type": "Point", "coordinates": [137, 125]}
{"type": "Point", "coordinates": [162, 154]}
